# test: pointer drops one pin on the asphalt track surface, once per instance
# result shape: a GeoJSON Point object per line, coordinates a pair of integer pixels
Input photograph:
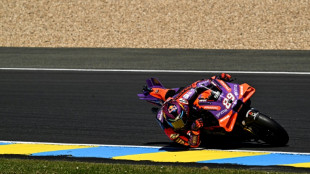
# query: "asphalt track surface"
{"type": "Point", "coordinates": [103, 108]}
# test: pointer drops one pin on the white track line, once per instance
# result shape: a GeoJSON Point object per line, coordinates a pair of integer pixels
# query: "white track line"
{"type": "Point", "coordinates": [154, 71]}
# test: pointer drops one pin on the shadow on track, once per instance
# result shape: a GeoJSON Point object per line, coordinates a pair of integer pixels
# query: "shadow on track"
{"type": "Point", "coordinates": [224, 142]}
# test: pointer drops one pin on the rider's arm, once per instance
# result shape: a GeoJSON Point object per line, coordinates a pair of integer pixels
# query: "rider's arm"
{"type": "Point", "coordinates": [194, 133]}
{"type": "Point", "coordinates": [172, 135]}
{"type": "Point", "coordinates": [176, 137]}
{"type": "Point", "coordinates": [192, 138]}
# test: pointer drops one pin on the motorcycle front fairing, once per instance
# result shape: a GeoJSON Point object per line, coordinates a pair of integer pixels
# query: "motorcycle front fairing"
{"type": "Point", "coordinates": [226, 106]}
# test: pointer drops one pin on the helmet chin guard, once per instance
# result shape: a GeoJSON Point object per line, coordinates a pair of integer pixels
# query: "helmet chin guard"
{"type": "Point", "coordinates": [178, 122]}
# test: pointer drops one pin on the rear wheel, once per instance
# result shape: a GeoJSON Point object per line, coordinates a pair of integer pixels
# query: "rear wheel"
{"type": "Point", "coordinates": [269, 131]}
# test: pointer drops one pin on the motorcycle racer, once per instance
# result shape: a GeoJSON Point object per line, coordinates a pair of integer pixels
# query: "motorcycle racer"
{"type": "Point", "coordinates": [214, 106]}
{"type": "Point", "coordinates": [175, 116]}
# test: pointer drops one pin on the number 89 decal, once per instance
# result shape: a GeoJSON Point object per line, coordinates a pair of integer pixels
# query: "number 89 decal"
{"type": "Point", "coordinates": [227, 102]}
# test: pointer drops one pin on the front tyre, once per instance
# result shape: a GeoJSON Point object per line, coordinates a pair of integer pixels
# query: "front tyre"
{"type": "Point", "coordinates": [269, 131]}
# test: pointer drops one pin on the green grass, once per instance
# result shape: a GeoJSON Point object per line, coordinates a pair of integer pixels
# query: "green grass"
{"type": "Point", "coordinates": [48, 166]}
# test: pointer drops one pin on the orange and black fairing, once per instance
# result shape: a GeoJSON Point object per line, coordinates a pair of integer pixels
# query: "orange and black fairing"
{"type": "Point", "coordinates": [246, 92]}
{"type": "Point", "coordinates": [155, 93]}
{"type": "Point", "coordinates": [233, 98]}
{"type": "Point", "coordinates": [229, 101]}
{"type": "Point", "coordinates": [160, 93]}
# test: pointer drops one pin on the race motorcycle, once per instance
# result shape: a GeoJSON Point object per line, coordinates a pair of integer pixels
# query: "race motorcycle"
{"type": "Point", "coordinates": [227, 110]}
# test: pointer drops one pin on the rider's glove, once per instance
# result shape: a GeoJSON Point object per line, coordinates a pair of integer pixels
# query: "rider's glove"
{"type": "Point", "coordinates": [176, 138]}
{"type": "Point", "coordinates": [194, 140]}
{"type": "Point", "coordinates": [225, 77]}
{"type": "Point", "coordinates": [197, 124]}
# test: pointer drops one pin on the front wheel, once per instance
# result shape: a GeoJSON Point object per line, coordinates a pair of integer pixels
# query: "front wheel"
{"type": "Point", "coordinates": [269, 130]}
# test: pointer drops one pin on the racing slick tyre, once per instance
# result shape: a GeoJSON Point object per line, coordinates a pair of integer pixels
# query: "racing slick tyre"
{"type": "Point", "coordinates": [270, 131]}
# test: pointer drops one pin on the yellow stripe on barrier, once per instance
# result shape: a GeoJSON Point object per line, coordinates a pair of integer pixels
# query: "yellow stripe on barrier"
{"type": "Point", "coordinates": [187, 156]}
{"type": "Point", "coordinates": [27, 149]}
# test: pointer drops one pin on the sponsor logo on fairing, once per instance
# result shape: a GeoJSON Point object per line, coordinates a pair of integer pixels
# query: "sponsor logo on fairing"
{"type": "Point", "coordinates": [224, 118]}
{"type": "Point", "coordinates": [217, 108]}
{"type": "Point", "coordinates": [241, 90]}
{"type": "Point", "coordinates": [204, 101]}
{"type": "Point", "coordinates": [236, 90]}
{"type": "Point", "coordinates": [225, 85]}
{"type": "Point", "coordinates": [182, 100]}
{"type": "Point", "coordinates": [188, 94]}
{"type": "Point", "coordinates": [221, 113]}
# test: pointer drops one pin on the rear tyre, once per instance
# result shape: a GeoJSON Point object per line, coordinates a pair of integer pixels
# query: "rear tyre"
{"type": "Point", "coordinates": [269, 131]}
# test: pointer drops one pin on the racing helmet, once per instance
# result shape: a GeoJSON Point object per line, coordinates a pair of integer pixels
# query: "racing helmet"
{"type": "Point", "coordinates": [174, 114]}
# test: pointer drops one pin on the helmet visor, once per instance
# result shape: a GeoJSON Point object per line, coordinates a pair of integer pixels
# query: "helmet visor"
{"type": "Point", "coordinates": [178, 122]}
